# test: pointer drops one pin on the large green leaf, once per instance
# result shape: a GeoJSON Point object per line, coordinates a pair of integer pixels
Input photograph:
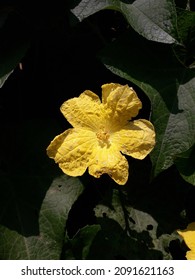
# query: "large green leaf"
{"type": "Point", "coordinates": [155, 20]}
{"type": "Point", "coordinates": [170, 87]}
{"type": "Point", "coordinates": [139, 225]}
{"type": "Point", "coordinates": [45, 236]}
{"type": "Point", "coordinates": [108, 241]}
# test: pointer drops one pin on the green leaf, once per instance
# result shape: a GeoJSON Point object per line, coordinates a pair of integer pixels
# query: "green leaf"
{"type": "Point", "coordinates": [45, 236]}
{"type": "Point", "coordinates": [106, 241]}
{"type": "Point", "coordinates": [112, 242]}
{"type": "Point", "coordinates": [139, 225]}
{"type": "Point", "coordinates": [155, 20]}
{"type": "Point", "coordinates": [186, 29]}
{"type": "Point", "coordinates": [34, 206]}
{"type": "Point", "coordinates": [80, 244]}
{"type": "Point", "coordinates": [185, 163]}
{"type": "Point", "coordinates": [170, 87]}
{"type": "Point", "coordinates": [186, 23]}
{"type": "Point", "coordinates": [4, 78]}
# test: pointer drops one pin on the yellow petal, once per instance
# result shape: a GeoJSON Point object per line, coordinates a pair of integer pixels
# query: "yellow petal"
{"type": "Point", "coordinates": [108, 160]}
{"type": "Point", "coordinates": [190, 255]}
{"type": "Point", "coordinates": [72, 150]}
{"type": "Point", "coordinates": [189, 237]}
{"type": "Point", "coordinates": [136, 139]}
{"type": "Point", "coordinates": [84, 111]}
{"type": "Point", "coordinates": [107, 89]}
{"type": "Point", "coordinates": [121, 102]}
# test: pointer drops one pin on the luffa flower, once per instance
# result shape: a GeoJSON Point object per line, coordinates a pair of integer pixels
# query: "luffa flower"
{"type": "Point", "coordinates": [189, 237]}
{"type": "Point", "coordinates": [101, 132]}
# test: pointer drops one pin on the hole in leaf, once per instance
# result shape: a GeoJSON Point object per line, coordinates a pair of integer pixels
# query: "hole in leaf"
{"type": "Point", "coordinates": [149, 227]}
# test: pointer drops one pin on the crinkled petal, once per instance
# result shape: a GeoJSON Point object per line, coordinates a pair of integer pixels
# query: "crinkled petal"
{"type": "Point", "coordinates": [84, 111]}
{"type": "Point", "coordinates": [120, 102]}
{"type": "Point", "coordinates": [107, 89]}
{"type": "Point", "coordinates": [72, 150]}
{"type": "Point", "coordinates": [136, 139]}
{"type": "Point", "coordinates": [108, 160]}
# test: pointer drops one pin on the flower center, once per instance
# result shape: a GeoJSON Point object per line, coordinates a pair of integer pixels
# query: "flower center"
{"type": "Point", "coordinates": [103, 135]}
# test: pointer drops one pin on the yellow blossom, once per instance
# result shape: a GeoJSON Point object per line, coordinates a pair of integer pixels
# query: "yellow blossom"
{"type": "Point", "coordinates": [101, 133]}
{"type": "Point", "coordinates": [189, 237]}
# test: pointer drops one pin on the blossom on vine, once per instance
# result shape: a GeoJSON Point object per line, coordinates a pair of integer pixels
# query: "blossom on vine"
{"type": "Point", "coordinates": [102, 133]}
{"type": "Point", "coordinates": [189, 237]}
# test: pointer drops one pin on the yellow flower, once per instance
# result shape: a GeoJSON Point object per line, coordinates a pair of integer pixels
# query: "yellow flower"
{"type": "Point", "coordinates": [101, 131]}
{"type": "Point", "coordinates": [189, 237]}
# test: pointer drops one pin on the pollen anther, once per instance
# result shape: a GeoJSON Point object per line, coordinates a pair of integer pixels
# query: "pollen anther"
{"type": "Point", "coordinates": [103, 135]}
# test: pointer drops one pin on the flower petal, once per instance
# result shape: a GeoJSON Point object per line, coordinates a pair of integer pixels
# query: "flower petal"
{"type": "Point", "coordinates": [107, 89]}
{"type": "Point", "coordinates": [189, 236]}
{"type": "Point", "coordinates": [110, 161]}
{"type": "Point", "coordinates": [136, 139]}
{"type": "Point", "coordinates": [84, 111]}
{"type": "Point", "coordinates": [190, 255]}
{"type": "Point", "coordinates": [72, 150]}
{"type": "Point", "coordinates": [121, 102]}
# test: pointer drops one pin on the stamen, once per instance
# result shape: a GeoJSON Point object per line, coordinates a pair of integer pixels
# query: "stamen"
{"type": "Point", "coordinates": [103, 135]}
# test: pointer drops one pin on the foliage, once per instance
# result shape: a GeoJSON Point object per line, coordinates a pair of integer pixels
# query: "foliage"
{"type": "Point", "coordinates": [147, 44]}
